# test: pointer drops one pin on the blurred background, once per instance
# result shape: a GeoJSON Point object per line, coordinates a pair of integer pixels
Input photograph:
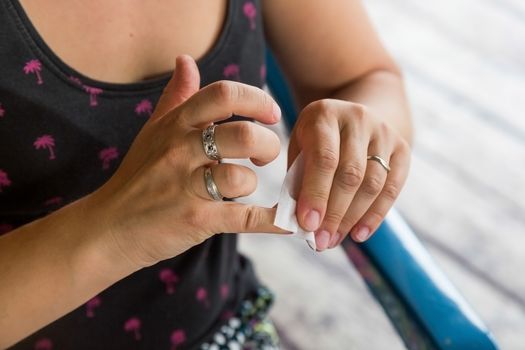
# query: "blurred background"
{"type": "Point", "coordinates": [464, 65]}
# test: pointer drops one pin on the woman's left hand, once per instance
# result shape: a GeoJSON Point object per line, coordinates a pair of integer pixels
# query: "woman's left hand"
{"type": "Point", "coordinates": [343, 192]}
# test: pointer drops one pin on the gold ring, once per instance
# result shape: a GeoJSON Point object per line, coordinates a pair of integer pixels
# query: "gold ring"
{"type": "Point", "coordinates": [381, 161]}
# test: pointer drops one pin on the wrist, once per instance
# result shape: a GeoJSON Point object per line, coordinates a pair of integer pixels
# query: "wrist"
{"type": "Point", "coordinates": [52, 265]}
{"type": "Point", "coordinates": [94, 250]}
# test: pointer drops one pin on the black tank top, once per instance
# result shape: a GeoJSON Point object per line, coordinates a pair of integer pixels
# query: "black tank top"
{"type": "Point", "coordinates": [62, 135]}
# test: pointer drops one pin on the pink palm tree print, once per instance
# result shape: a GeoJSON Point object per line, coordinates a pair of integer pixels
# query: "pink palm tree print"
{"type": "Point", "coordinates": [250, 12]}
{"type": "Point", "coordinates": [144, 107]}
{"type": "Point", "coordinates": [133, 325]}
{"type": "Point", "coordinates": [34, 66]}
{"type": "Point", "coordinates": [2, 111]}
{"type": "Point", "coordinates": [46, 141]}
{"type": "Point", "coordinates": [4, 228]}
{"type": "Point", "coordinates": [4, 180]}
{"type": "Point", "coordinates": [53, 200]}
{"type": "Point", "coordinates": [177, 338]}
{"type": "Point", "coordinates": [43, 344]}
{"type": "Point", "coordinates": [202, 296]}
{"type": "Point", "coordinates": [93, 92]}
{"type": "Point", "coordinates": [107, 155]}
{"type": "Point", "coordinates": [225, 290]}
{"type": "Point", "coordinates": [232, 71]}
{"type": "Point", "coordinates": [91, 305]}
{"type": "Point", "coordinates": [169, 278]}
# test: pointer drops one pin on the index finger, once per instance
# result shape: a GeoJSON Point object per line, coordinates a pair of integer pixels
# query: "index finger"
{"type": "Point", "coordinates": [246, 218]}
{"type": "Point", "coordinates": [219, 100]}
{"type": "Point", "coordinates": [321, 156]}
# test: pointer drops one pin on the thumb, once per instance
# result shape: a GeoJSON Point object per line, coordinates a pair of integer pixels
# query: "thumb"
{"type": "Point", "coordinates": [184, 82]}
{"type": "Point", "coordinates": [237, 218]}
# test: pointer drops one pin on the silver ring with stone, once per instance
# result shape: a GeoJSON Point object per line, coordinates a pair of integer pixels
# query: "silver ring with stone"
{"type": "Point", "coordinates": [208, 142]}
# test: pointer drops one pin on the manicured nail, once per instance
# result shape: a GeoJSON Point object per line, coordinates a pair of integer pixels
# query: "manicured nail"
{"type": "Point", "coordinates": [312, 219]}
{"type": "Point", "coordinates": [362, 233]}
{"type": "Point", "coordinates": [276, 111]}
{"type": "Point", "coordinates": [335, 238]}
{"type": "Point", "coordinates": [321, 239]}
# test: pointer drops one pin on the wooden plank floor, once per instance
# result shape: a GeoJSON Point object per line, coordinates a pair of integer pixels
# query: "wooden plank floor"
{"type": "Point", "coordinates": [464, 63]}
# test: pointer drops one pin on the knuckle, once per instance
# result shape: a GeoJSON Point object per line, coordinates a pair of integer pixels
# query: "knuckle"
{"type": "Point", "coordinates": [311, 107]}
{"type": "Point", "coordinates": [318, 106]}
{"type": "Point", "coordinates": [251, 218]}
{"type": "Point", "coordinates": [193, 217]}
{"type": "Point", "coordinates": [358, 110]}
{"type": "Point", "coordinates": [246, 134]}
{"type": "Point", "coordinates": [372, 185]}
{"type": "Point", "coordinates": [384, 129]}
{"type": "Point", "coordinates": [225, 91]}
{"type": "Point", "coordinates": [391, 191]}
{"type": "Point", "coordinates": [315, 195]}
{"type": "Point", "coordinates": [314, 119]}
{"type": "Point", "coordinates": [350, 176]}
{"type": "Point", "coordinates": [404, 147]}
{"type": "Point", "coordinates": [326, 159]}
{"type": "Point", "coordinates": [322, 105]}
{"type": "Point", "coordinates": [333, 217]}
{"type": "Point", "coordinates": [374, 217]}
{"type": "Point", "coordinates": [318, 129]}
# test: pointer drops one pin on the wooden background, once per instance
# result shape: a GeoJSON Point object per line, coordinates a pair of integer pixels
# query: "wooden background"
{"type": "Point", "coordinates": [464, 63]}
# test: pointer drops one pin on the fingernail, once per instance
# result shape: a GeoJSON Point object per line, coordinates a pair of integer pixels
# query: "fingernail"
{"type": "Point", "coordinates": [335, 238]}
{"type": "Point", "coordinates": [321, 239]}
{"type": "Point", "coordinates": [362, 233]}
{"type": "Point", "coordinates": [276, 111]}
{"type": "Point", "coordinates": [311, 220]}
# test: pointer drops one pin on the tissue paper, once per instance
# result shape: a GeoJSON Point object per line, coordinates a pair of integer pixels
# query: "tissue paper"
{"type": "Point", "coordinates": [285, 217]}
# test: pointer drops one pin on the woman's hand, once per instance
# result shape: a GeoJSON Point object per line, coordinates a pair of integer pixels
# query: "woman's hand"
{"type": "Point", "coordinates": [342, 192]}
{"type": "Point", "coordinates": [156, 205]}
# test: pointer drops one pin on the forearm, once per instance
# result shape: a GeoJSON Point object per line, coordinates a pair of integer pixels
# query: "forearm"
{"type": "Point", "coordinates": [51, 266]}
{"type": "Point", "coordinates": [341, 57]}
{"type": "Point", "coordinates": [383, 93]}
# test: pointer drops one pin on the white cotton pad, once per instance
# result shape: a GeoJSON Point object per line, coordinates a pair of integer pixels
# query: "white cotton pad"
{"type": "Point", "coordinates": [285, 217]}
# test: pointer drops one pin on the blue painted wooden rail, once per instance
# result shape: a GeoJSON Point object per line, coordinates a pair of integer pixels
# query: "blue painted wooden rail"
{"type": "Point", "coordinates": [422, 304]}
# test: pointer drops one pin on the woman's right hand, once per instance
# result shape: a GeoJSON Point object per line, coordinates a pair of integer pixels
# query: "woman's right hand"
{"type": "Point", "coordinates": [156, 206]}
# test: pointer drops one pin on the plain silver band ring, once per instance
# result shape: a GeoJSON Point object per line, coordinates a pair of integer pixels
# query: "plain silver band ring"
{"type": "Point", "coordinates": [381, 161]}
{"type": "Point", "coordinates": [211, 186]}
{"type": "Point", "coordinates": [208, 142]}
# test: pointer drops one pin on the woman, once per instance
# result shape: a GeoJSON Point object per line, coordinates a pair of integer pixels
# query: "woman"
{"type": "Point", "coordinates": [112, 219]}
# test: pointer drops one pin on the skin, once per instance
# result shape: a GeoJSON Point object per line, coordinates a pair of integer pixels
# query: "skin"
{"type": "Point", "coordinates": [352, 104]}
